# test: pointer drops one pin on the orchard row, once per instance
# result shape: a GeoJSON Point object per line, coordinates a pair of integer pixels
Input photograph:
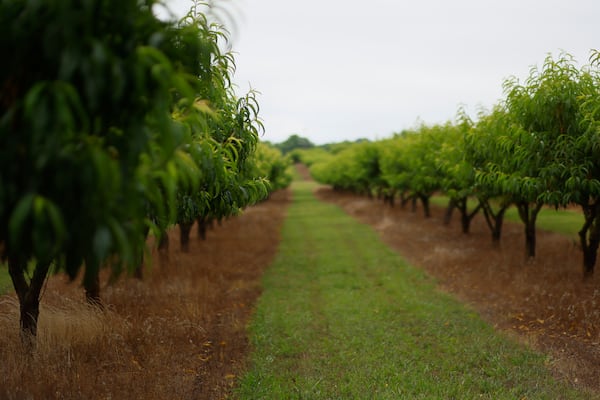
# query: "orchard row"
{"type": "Point", "coordinates": [115, 125]}
{"type": "Point", "coordinates": [539, 146]}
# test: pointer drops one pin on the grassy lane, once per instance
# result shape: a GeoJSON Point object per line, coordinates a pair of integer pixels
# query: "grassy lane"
{"type": "Point", "coordinates": [344, 317]}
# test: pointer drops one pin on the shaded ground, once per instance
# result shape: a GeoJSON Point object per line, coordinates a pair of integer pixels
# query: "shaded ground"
{"type": "Point", "coordinates": [543, 302]}
{"type": "Point", "coordinates": [180, 333]}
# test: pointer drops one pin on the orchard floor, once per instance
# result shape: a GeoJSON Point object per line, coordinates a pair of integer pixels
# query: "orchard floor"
{"type": "Point", "coordinates": [181, 332]}
{"type": "Point", "coordinates": [543, 302]}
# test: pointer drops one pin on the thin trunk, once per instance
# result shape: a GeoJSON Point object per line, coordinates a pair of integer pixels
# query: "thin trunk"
{"type": "Point", "coordinates": [163, 249]}
{"type": "Point", "coordinates": [29, 297]}
{"type": "Point", "coordinates": [425, 201]}
{"type": "Point", "coordinates": [589, 236]}
{"type": "Point", "coordinates": [404, 198]}
{"type": "Point", "coordinates": [184, 240]}
{"type": "Point", "coordinates": [413, 203]}
{"type": "Point", "coordinates": [91, 283]}
{"type": "Point", "coordinates": [530, 239]}
{"type": "Point", "coordinates": [498, 222]}
{"type": "Point", "coordinates": [389, 198]}
{"type": "Point", "coordinates": [528, 215]}
{"type": "Point", "coordinates": [465, 216]}
{"type": "Point", "coordinates": [202, 226]}
{"type": "Point", "coordinates": [163, 243]}
{"type": "Point", "coordinates": [449, 211]}
{"type": "Point", "coordinates": [494, 220]}
{"type": "Point", "coordinates": [138, 273]}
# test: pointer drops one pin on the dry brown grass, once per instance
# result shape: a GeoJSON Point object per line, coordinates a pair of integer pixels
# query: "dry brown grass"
{"type": "Point", "coordinates": [178, 334]}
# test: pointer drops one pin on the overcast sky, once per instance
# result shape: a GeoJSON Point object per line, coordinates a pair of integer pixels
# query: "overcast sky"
{"type": "Point", "coordinates": [334, 70]}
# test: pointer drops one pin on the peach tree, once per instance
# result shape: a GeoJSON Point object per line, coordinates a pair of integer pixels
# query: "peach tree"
{"type": "Point", "coordinates": [88, 141]}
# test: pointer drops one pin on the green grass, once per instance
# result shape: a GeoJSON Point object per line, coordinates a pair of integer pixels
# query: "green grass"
{"type": "Point", "coordinates": [566, 222]}
{"type": "Point", "coordinates": [344, 317]}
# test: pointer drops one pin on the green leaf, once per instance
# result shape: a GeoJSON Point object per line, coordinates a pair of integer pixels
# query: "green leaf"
{"type": "Point", "coordinates": [18, 218]}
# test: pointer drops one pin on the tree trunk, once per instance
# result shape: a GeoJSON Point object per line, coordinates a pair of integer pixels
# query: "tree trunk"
{"type": "Point", "coordinates": [163, 242]}
{"type": "Point", "coordinates": [91, 283]}
{"type": "Point", "coordinates": [589, 259]}
{"type": "Point", "coordinates": [139, 270]}
{"type": "Point", "coordinates": [497, 230]}
{"type": "Point", "coordinates": [465, 216]}
{"type": "Point", "coordinates": [138, 273]}
{"type": "Point", "coordinates": [404, 199]}
{"type": "Point", "coordinates": [184, 239]}
{"type": "Point", "coordinates": [425, 202]}
{"type": "Point", "coordinates": [449, 211]}
{"type": "Point", "coordinates": [163, 249]}
{"type": "Point", "coordinates": [528, 215]}
{"type": "Point", "coordinates": [530, 239]}
{"type": "Point", "coordinates": [388, 198]}
{"type": "Point", "coordinates": [29, 297]}
{"type": "Point", "coordinates": [494, 220]}
{"type": "Point", "coordinates": [589, 236]}
{"type": "Point", "coordinates": [202, 226]}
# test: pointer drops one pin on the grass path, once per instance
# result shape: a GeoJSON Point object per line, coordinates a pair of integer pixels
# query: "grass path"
{"type": "Point", "coordinates": [344, 317]}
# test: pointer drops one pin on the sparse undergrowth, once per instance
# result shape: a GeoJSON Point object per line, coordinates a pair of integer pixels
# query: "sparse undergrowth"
{"type": "Point", "coordinates": [178, 334]}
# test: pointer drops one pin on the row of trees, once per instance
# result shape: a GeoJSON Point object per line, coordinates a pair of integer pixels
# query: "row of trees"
{"type": "Point", "coordinates": [115, 125]}
{"type": "Point", "coordinates": [539, 146]}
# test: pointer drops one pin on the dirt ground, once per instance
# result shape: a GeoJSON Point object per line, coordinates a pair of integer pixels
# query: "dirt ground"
{"type": "Point", "coordinates": [179, 333]}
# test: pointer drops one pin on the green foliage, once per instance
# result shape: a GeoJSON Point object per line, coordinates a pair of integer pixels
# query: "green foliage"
{"type": "Point", "coordinates": [548, 118]}
{"type": "Point", "coordinates": [356, 168]}
{"type": "Point", "coordinates": [114, 123]}
{"type": "Point", "coordinates": [539, 146]}
{"type": "Point", "coordinates": [225, 178]}
{"type": "Point", "coordinates": [87, 92]}
{"type": "Point", "coordinates": [270, 163]}
{"type": "Point", "coordinates": [456, 171]}
{"type": "Point", "coordinates": [311, 156]}
{"type": "Point", "coordinates": [294, 142]}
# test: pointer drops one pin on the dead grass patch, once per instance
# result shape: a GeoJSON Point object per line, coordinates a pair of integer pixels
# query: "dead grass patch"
{"type": "Point", "coordinates": [180, 333]}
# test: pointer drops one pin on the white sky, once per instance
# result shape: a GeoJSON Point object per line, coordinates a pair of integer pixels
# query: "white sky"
{"type": "Point", "coordinates": [334, 70]}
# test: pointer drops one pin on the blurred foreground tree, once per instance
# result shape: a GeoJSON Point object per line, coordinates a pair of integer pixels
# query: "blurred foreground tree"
{"type": "Point", "coordinates": [87, 134]}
